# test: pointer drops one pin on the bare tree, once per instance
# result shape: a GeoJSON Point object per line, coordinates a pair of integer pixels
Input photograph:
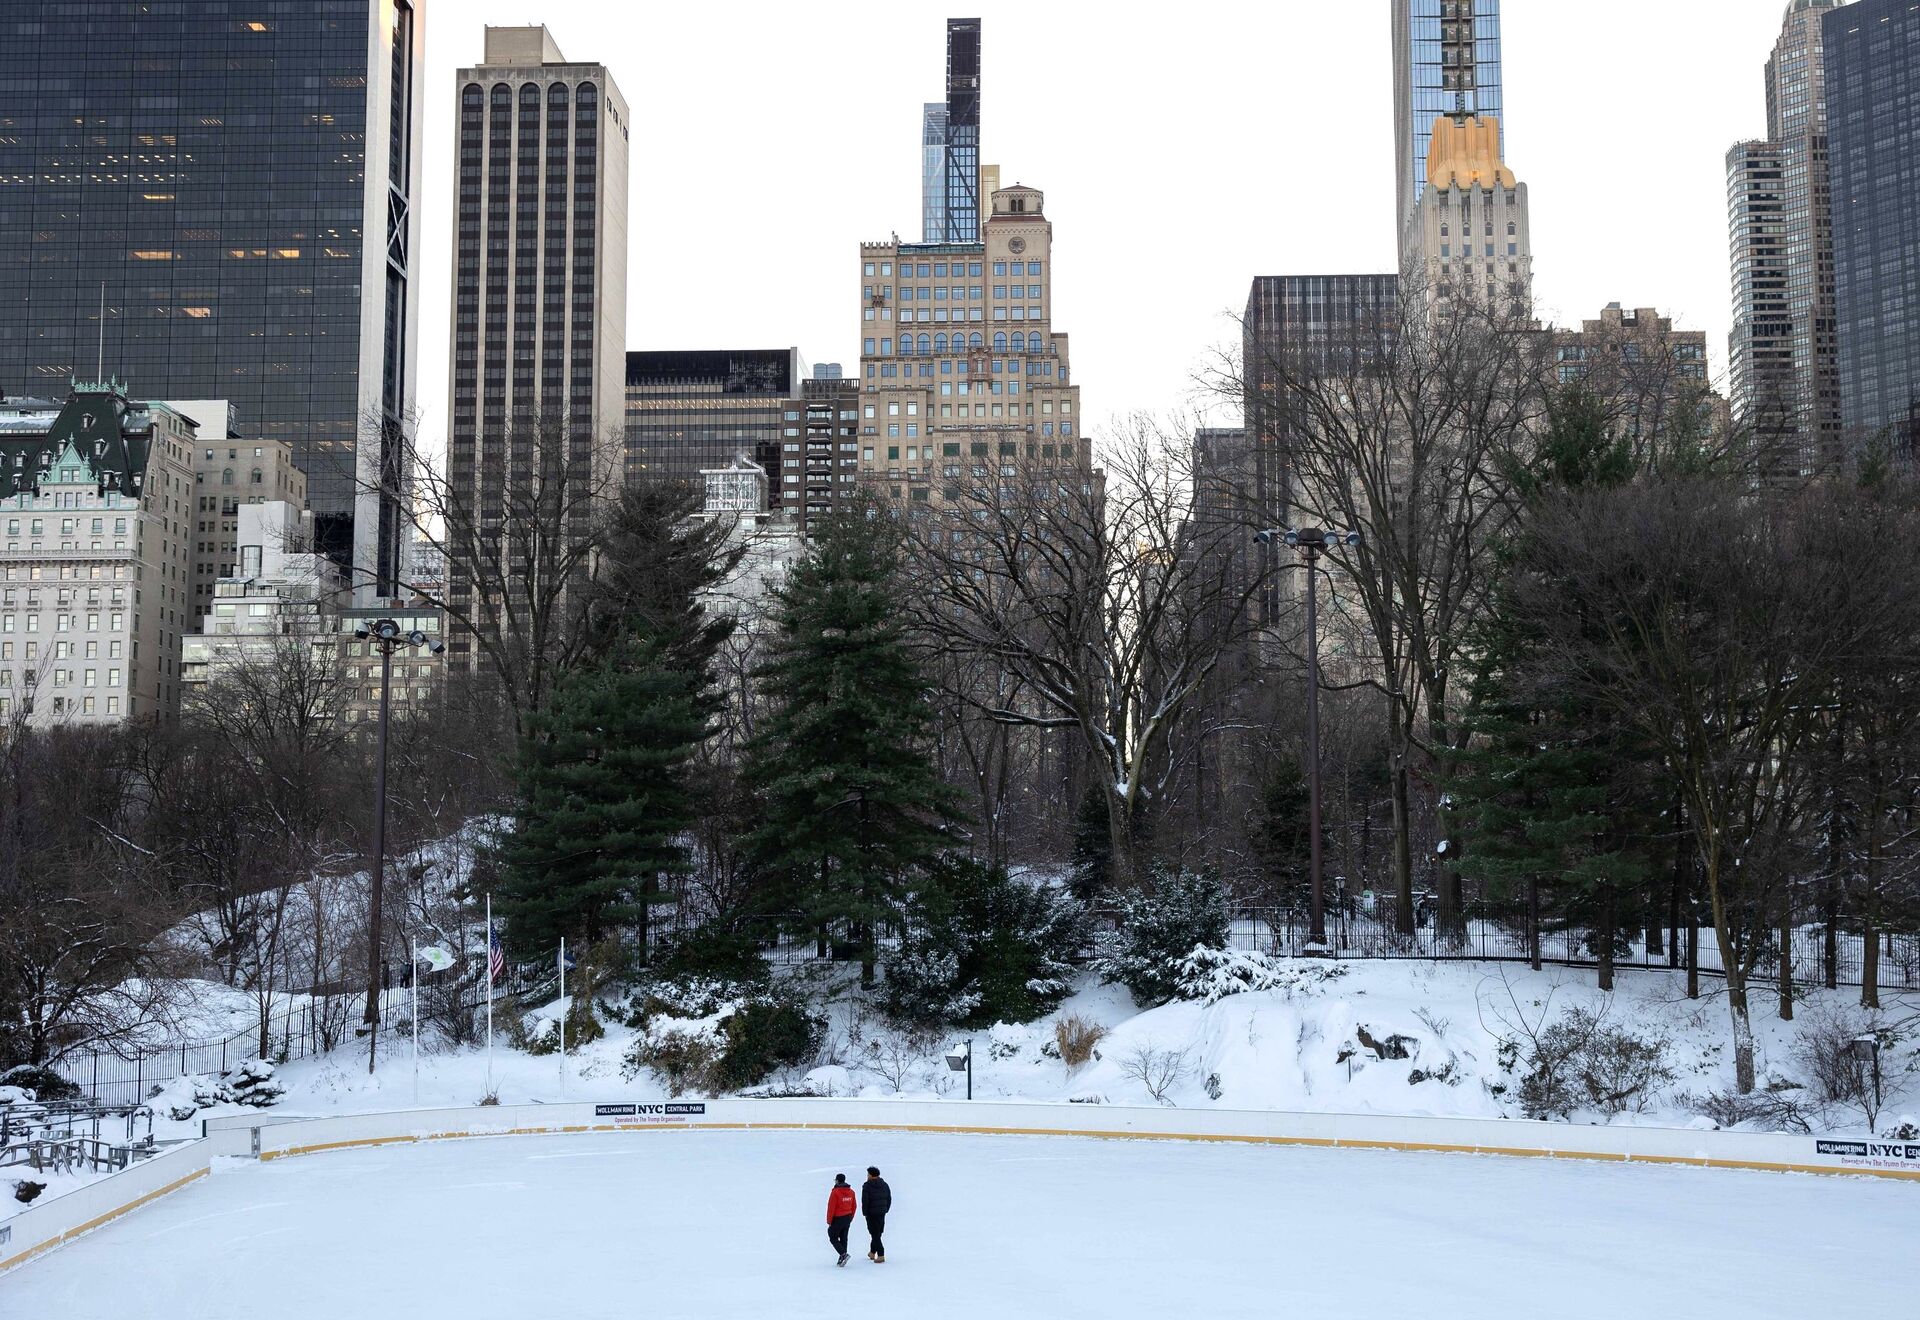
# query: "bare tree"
{"type": "Point", "coordinates": [1090, 602]}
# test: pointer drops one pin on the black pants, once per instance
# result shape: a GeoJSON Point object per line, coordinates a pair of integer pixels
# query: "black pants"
{"type": "Point", "coordinates": [876, 1225]}
{"type": "Point", "coordinates": [837, 1230]}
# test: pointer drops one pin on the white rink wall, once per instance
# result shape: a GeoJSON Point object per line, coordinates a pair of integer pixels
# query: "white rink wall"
{"type": "Point", "coordinates": [47, 1226]}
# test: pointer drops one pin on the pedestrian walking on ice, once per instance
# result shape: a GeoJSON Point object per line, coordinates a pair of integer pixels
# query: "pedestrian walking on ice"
{"type": "Point", "coordinates": [840, 1208]}
{"type": "Point", "coordinates": [876, 1198]}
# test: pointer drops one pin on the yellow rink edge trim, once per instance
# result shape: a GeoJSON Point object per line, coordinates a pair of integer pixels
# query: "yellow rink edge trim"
{"type": "Point", "coordinates": [1326, 1143]}
{"type": "Point", "coordinates": [98, 1221]}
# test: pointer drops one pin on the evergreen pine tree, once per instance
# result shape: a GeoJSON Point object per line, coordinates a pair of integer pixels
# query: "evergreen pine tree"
{"type": "Point", "coordinates": [851, 807]}
{"type": "Point", "coordinates": [604, 801]}
{"type": "Point", "coordinates": [1549, 792]}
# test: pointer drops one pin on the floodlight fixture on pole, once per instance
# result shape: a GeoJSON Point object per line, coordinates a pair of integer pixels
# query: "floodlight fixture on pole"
{"type": "Point", "coordinates": [1313, 542]}
{"type": "Point", "coordinates": [385, 636]}
{"type": "Point", "coordinates": [960, 1059]}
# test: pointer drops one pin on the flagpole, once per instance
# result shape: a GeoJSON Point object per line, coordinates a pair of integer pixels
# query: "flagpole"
{"type": "Point", "coordinates": [413, 1002]}
{"type": "Point", "coordinates": [489, 992]}
{"type": "Point", "coordinates": [563, 1015]}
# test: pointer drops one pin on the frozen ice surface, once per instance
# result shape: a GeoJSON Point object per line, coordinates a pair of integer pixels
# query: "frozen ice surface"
{"type": "Point", "coordinates": [665, 1225]}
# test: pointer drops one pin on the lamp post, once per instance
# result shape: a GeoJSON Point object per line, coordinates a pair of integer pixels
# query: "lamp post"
{"type": "Point", "coordinates": [1313, 541]}
{"type": "Point", "coordinates": [960, 1059]}
{"type": "Point", "coordinates": [1866, 1049]}
{"type": "Point", "coordinates": [386, 637]}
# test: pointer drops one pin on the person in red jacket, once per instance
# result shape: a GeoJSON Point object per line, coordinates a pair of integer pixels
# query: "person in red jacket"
{"type": "Point", "coordinates": [841, 1203]}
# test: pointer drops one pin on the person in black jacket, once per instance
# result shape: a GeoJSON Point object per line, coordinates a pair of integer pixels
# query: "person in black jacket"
{"type": "Point", "coordinates": [876, 1198]}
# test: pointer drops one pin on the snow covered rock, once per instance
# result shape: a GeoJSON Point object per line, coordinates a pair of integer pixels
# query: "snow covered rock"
{"type": "Point", "coordinates": [15, 1095]}
{"type": "Point", "coordinates": [829, 1081]}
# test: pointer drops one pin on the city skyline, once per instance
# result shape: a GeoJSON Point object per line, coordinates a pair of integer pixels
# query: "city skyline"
{"type": "Point", "coordinates": [1141, 343]}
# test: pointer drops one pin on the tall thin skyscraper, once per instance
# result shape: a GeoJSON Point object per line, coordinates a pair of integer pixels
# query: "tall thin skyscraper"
{"type": "Point", "coordinates": [540, 280]}
{"type": "Point", "coordinates": [238, 186]}
{"type": "Point", "coordinates": [962, 206]}
{"type": "Point", "coordinates": [1446, 61]}
{"type": "Point", "coordinates": [1798, 404]}
{"type": "Point", "coordinates": [933, 172]}
{"type": "Point", "coordinates": [1873, 73]}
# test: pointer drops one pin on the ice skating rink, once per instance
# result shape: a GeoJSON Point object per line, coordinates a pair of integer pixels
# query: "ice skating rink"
{"type": "Point", "coordinates": [730, 1225]}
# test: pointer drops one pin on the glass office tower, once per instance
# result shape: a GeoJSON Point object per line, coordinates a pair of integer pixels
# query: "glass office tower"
{"type": "Point", "coordinates": [1873, 89]}
{"type": "Point", "coordinates": [236, 183]}
{"type": "Point", "coordinates": [1446, 61]}
{"type": "Point", "coordinates": [962, 204]}
{"type": "Point", "coordinates": [933, 172]}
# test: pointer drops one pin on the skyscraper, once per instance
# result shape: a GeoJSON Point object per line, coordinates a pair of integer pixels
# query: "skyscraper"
{"type": "Point", "coordinates": [960, 209]}
{"type": "Point", "coordinates": [237, 186]}
{"type": "Point", "coordinates": [540, 280]}
{"type": "Point", "coordinates": [1802, 403]}
{"type": "Point", "coordinates": [1470, 240]}
{"type": "Point", "coordinates": [1873, 73]}
{"type": "Point", "coordinates": [933, 172]}
{"type": "Point", "coordinates": [1446, 61]}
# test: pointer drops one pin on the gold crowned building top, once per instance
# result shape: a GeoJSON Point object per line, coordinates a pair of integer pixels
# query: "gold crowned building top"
{"type": "Point", "coordinates": [1466, 154]}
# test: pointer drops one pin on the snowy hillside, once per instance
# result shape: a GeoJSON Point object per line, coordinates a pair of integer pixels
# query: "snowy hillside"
{"type": "Point", "coordinates": [1410, 1038]}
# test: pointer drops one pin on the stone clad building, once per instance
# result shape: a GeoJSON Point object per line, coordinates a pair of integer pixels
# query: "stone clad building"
{"type": "Point", "coordinates": [96, 504]}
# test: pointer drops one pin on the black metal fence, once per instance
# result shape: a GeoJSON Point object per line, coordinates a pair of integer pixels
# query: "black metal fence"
{"type": "Point", "coordinates": [1489, 934]}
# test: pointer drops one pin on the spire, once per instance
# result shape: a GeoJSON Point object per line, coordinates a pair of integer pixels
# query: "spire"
{"type": "Point", "coordinates": [1466, 153]}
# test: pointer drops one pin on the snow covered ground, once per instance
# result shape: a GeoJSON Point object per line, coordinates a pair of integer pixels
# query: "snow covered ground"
{"type": "Point", "coordinates": [727, 1226]}
{"type": "Point", "coordinates": [1272, 1050]}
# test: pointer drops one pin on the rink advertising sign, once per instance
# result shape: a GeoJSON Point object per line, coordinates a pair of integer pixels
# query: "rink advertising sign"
{"type": "Point", "coordinates": [667, 1113]}
{"type": "Point", "coordinates": [1873, 1154]}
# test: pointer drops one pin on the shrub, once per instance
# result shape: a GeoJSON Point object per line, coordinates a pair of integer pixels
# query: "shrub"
{"type": "Point", "coordinates": [712, 953]}
{"type": "Point", "coordinates": [1075, 1037]}
{"type": "Point", "coordinates": [45, 1083]}
{"type": "Point", "coordinates": [1158, 931]}
{"type": "Point", "coordinates": [683, 1059]}
{"type": "Point", "coordinates": [1581, 1061]}
{"type": "Point", "coordinates": [728, 1047]}
{"type": "Point", "coordinates": [1837, 1073]}
{"type": "Point", "coordinates": [984, 948]}
{"type": "Point", "coordinates": [1210, 975]}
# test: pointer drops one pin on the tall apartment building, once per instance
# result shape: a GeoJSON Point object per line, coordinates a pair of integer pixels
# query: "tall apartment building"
{"type": "Point", "coordinates": [1781, 240]}
{"type": "Point", "coordinates": [1873, 78]}
{"type": "Point", "coordinates": [961, 201]}
{"type": "Point", "coordinates": [96, 496]}
{"type": "Point", "coordinates": [236, 186]}
{"type": "Point", "coordinates": [1644, 370]}
{"type": "Point", "coordinates": [1760, 347]}
{"type": "Point", "coordinates": [231, 471]}
{"type": "Point", "coordinates": [961, 366]}
{"type": "Point", "coordinates": [540, 281]}
{"type": "Point", "coordinates": [273, 596]}
{"type": "Point", "coordinates": [1300, 324]}
{"type": "Point", "coordinates": [1446, 62]}
{"type": "Point", "coordinates": [933, 172]}
{"type": "Point", "coordinates": [1470, 241]}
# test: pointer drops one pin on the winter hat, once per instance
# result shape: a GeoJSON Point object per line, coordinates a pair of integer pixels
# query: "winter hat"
{"type": "Point", "coordinates": [839, 1180]}
{"type": "Point", "coordinates": [872, 1172]}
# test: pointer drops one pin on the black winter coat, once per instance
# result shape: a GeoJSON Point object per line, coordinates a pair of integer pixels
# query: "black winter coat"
{"type": "Point", "coordinates": [876, 1198]}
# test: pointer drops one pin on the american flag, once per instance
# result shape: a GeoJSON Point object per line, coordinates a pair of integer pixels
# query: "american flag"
{"type": "Point", "coordinates": [496, 956]}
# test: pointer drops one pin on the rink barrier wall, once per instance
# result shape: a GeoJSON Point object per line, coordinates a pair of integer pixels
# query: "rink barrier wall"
{"type": "Point", "coordinates": [282, 1136]}
{"type": "Point", "coordinates": [53, 1223]}
{"type": "Point", "coordinates": [1773, 1152]}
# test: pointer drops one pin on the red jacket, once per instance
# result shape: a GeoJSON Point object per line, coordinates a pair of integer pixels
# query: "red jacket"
{"type": "Point", "coordinates": [840, 1203]}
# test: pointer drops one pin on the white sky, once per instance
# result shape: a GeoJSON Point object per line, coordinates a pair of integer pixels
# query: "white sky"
{"type": "Point", "coordinates": [1183, 150]}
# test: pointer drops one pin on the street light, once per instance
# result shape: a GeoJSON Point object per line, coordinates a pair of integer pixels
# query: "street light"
{"type": "Point", "coordinates": [385, 635]}
{"type": "Point", "coordinates": [1314, 542]}
{"type": "Point", "coordinates": [960, 1059]}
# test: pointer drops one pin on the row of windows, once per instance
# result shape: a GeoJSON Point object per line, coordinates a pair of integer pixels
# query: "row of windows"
{"type": "Point", "coordinates": [84, 706]}
{"type": "Point", "coordinates": [938, 270]}
{"type": "Point", "coordinates": [68, 526]}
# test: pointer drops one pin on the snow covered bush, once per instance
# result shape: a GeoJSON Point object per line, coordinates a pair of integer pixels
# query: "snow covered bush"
{"type": "Point", "coordinates": [1581, 1061]}
{"type": "Point", "coordinates": [983, 947]}
{"type": "Point", "coordinates": [1834, 1068]}
{"type": "Point", "coordinates": [1183, 911]}
{"type": "Point", "coordinates": [720, 1046]}
{"type": "Point", "coordinates": [1212, 974]}
{"type": "Point", "coordinates": [45, 1083]}
{"type": "Point", "coordinates": [1076, 1039]}
{"type": "Point", "coordinates": [251, 1082]}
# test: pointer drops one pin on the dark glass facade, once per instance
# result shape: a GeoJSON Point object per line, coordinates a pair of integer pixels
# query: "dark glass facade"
{"type": "Point", "coordinates": [961, 212]}
{"type": "Point", "coordinates": [208, 164]}
{"type": "Point", "coordinates": [688, 412]}
{"type": "Point", "coordinates": [1873, 119]}
{"type": "Point", "coordinates": [1446, 61]}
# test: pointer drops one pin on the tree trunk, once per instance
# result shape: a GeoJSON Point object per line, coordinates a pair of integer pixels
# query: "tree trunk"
{"type": "Point", "coordinates": [1693, 959]}
{"type": "Point", "coordinates": [1830, 952]}
{"type": "Point", "coordinates": [1869, 958]}
{"type": "Point", "coordinates": [1608, 926]}
{"type": "Point", "coordinates": [1402, 847]}
{"type": "Point", "coordinates": [1743, 1078]}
